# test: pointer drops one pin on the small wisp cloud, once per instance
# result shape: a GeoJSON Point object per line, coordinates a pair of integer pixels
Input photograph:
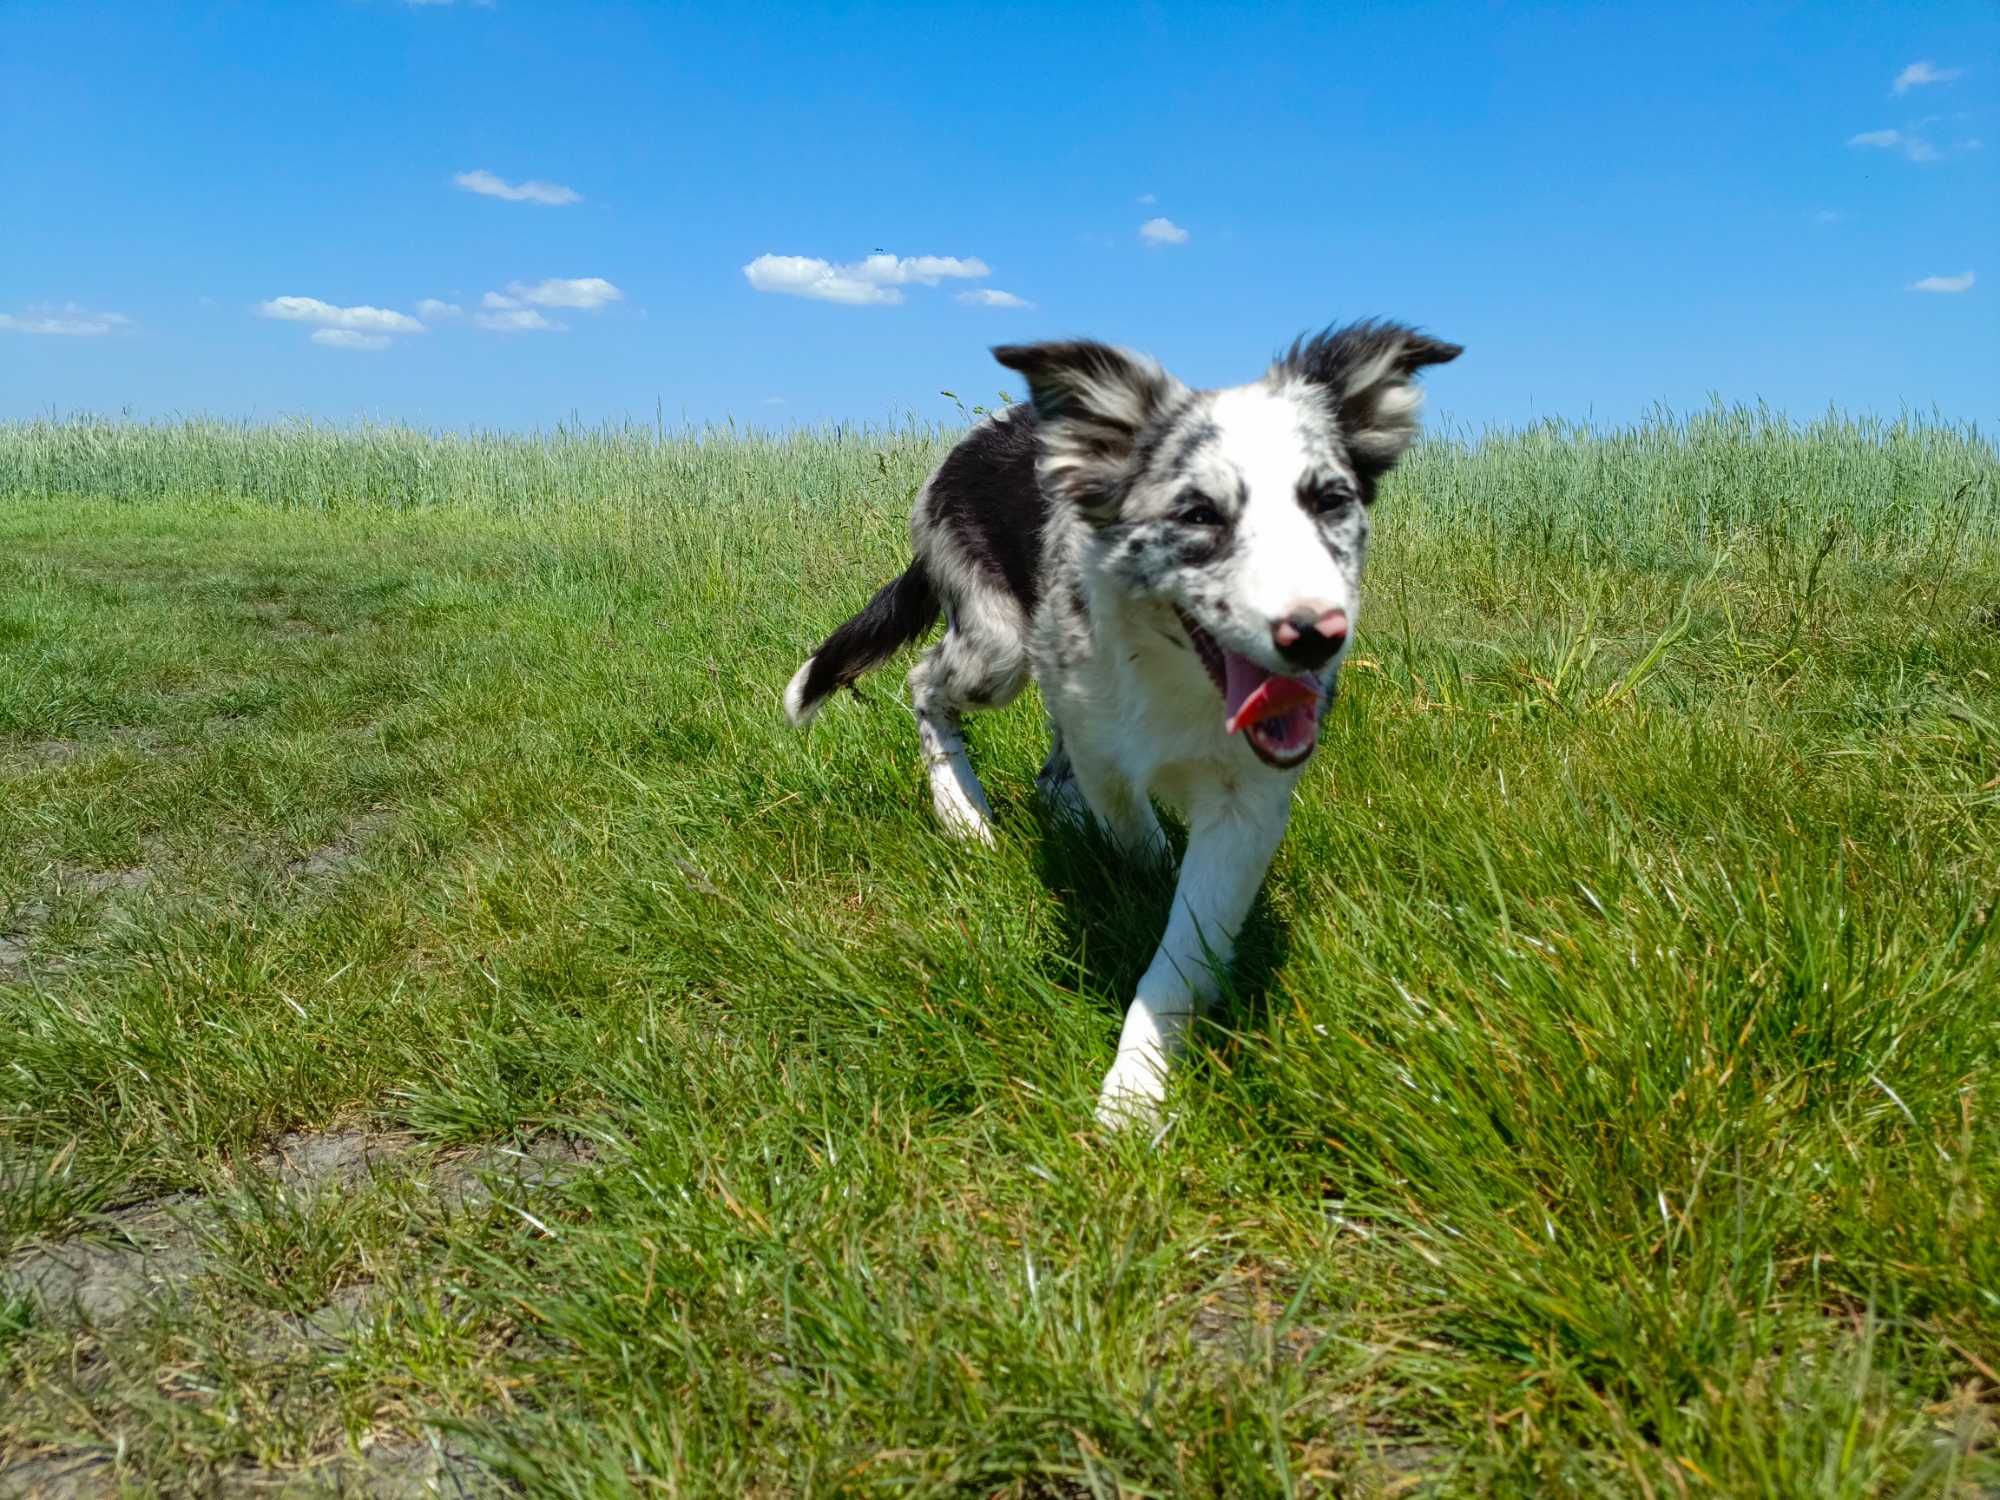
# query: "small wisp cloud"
{"type": "Point", "coordinates": [69, 320]}
{"type": "Point", "coordinates": [518, 309]}
{"type": "Point", "coordinates": [1949, 285]}
{"type": "Point", "coordinates": [586, 292]}
{"type": "Point", "coordinates": [1162, 231]}
{"type": "Point", "coordinates": [1909, 142]}
{"type": "Point", "coordinates": [347, 338]}
{"type": "Point", "coordinates": [360, 319]}
{"type": "Point", "coordinates": [987, 296]}
{"type": "Point", "coordinates": [357, 328]}
{"type": "Point", "coordinates": [1920, 74]}
{"type": "Point", "coordinates": [875, 281]}
{"type": "Point", "coordinates": [488, 184]}
{"type": "Point", "coordinates": [517, 320]}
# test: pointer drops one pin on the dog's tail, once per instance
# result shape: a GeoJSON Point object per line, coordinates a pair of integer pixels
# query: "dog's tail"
{"type": "Point", "coordinates": [902, 610]}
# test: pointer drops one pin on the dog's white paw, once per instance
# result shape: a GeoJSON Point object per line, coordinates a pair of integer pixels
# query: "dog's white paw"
{"type": "Point", "coordinates": [962, 821]}
{"type": "Point", "coordinates": [1133, 1092]}
{"type": "Point", "coordinates": [958, 801]}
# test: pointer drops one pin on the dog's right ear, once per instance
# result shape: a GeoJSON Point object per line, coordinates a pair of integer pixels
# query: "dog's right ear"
{"type": "Point", "coordinates": [1093, 401]}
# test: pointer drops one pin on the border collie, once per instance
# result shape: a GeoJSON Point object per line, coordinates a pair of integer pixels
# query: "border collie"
{"type": "Point", "coordinates": [1180, 571]}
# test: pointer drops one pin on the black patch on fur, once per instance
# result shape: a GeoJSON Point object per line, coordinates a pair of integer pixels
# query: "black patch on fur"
{"type": "Point", "coordinates": [902, 609]}
{"type": "Point", "coordinates": [1164, 425]}
{"type": "Point", "coordinates": [1192, 442]}
{"type": "Point", "coordinates": [986, 496]}
{"type": "Point", "coordinates": [1079, 605]}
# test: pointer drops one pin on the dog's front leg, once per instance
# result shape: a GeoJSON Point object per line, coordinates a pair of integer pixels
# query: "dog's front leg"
{"type": "Point", "coordinates": [1230, 843]}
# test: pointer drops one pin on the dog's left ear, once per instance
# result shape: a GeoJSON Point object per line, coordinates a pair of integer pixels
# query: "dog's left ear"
{"type": "Point", "coordinates": [1093, 401]}
{"type": "Point", "coordinates": [1368, 373]}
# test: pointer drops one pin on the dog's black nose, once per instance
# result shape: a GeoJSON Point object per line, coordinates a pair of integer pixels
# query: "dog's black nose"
{"type": "Point", "coordinates": [1309, 640]}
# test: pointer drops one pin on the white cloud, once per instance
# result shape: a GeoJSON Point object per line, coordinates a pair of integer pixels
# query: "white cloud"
{"type": "Point", "coordinates": [1829, 216]}
{"type": "Point", "coordinates": [431, 310]}
{"type": "Point", "coordinates": [518, 320]}
{"type": "Point", "coordinates": [928, 269]}
{"type": "Point", "coordinates": [809, 276]}
{"type": "Point", "coordinates": [67, 321]}
{"type": "Point", "coordinates": [347, 338]}
{"type": "Point", "coordinates": [1912, 145]}
{"type": "Point", "coordinates": [510, 312]}
{"type": "Point", "coordinates": [1147, 200]}
{"type": "Point", "coordinates": [987, 296]}
{"type": "Point", "coordinates": [587, 292]}
{"type": "Point", "coordinates": [553, 194]}
{"type": "Point", "coordinates": [872, 281]}
{"type": "Point", "coordinates": [1959, 283]}
{"type": "Point", "coordinates": [1917, 74]}
{"type": "Point", "coordinates": [1162, 232]}
{"type": "Point", "coordinates": [360, 319]}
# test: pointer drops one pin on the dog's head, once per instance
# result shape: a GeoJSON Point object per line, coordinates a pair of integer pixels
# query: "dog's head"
{"type": "Point", "coordinates": [1246, 511]}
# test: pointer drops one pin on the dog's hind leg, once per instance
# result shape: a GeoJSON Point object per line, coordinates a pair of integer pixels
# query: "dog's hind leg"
{"type": "Point", "coordinates": [982, 662]}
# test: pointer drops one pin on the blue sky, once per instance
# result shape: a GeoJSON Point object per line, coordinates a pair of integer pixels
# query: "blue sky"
{"type": "Point", "coordinates": [271, 210]}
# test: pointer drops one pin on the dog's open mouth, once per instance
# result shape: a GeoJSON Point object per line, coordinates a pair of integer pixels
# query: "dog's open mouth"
{"type": "Point", "coordinates": [1279, 716]}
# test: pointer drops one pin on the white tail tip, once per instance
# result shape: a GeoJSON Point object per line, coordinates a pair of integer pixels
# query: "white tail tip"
{"type": "Point", "coordinates": [797, 709]}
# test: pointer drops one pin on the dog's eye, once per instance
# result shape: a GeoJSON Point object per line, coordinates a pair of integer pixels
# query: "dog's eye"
{"type": "Point", "coordinates": [1326, 500]}
{"type": "Point", "coordinates": [1198, 512]}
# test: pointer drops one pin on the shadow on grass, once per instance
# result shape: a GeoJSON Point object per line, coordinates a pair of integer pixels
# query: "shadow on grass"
{"type": "Point", "coordinates": [1114, 913]}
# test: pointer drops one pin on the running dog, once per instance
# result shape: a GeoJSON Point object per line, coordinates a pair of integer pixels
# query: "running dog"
{"type": "Point", "coordinates": [1180, 571]}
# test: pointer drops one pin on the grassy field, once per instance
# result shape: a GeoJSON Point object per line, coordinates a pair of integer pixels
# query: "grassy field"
{"type": "Point", "coordinates": [454, 1038]}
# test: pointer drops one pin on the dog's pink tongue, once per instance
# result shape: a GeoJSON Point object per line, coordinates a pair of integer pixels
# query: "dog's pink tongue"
{"type": "Point", "coordinates": [1251, 695]}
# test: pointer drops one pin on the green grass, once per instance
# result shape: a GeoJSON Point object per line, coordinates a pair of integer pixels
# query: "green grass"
{"type": "Point", "coordinates": [1606, 1107]}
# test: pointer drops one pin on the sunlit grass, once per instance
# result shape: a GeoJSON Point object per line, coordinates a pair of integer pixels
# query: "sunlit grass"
{"type": "Point", "coordinates": [1607, 1104]}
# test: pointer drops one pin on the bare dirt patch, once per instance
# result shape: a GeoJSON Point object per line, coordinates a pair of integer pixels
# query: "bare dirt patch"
{"type": "Point", "coordinates": [61, 1475]}
{"type": "Point", "coordinates": [467, 1180]}
{"type": "Point", "coordinates": [23, 925]}
{"type": "Point", "coordinates": [122, 1260]}
{"type": "Point", "coordinates": [127, 879]}
{"type": "Point", "coordinates": [125, 1261]}
{"type": "Point", "coordinates": [390, 1469]}
{"type": "Point", "coordinates": [41, 754]}
{"type": "Point", "coordinates": [336, 855]}
{"type": "Point", "coordinates": [14, 956]}
{"type": "Point", "coordinates": [386, 1470]}
{"type": "Point", "coordinates": [118, 1262]}
{"type": "Point", "coordinates": [309, 1159]}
